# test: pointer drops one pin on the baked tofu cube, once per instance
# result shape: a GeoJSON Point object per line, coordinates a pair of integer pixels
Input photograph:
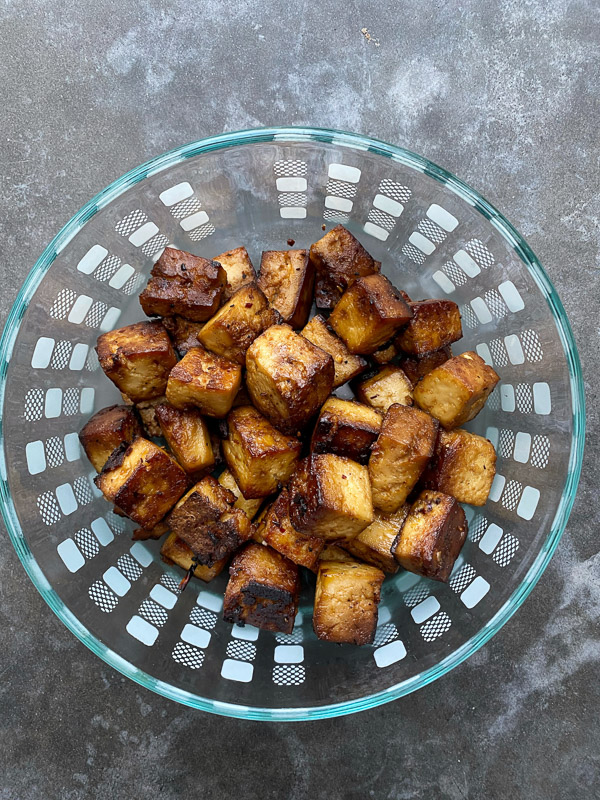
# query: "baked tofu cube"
{"type": "Point", "coordinates": [388, 352]}
{"type": "Point", "coordinates": [183, 333]}
{"type": "Point", "coordinates": [238, 269]}
{"type": "Point", "coordinates": [147, 411]}
{"type": "Point", "coordinates": [347, 429]}
{"type": "Point", "coordinates": [260, 457]}
{"type": "Point", "coordinates": [188, 437]}
{"type": "Point", "coordinates": [263, 589]}
{"type": "Point", "coordinates": [374, 544]}
{"type": "Point", "coordinates": [205, 380]}
{"type": "Point", "coordinates": [463, 466]}
{"type": "Point", "coordinates": [368, 314]}
{"type": "Point", "coordinates": [249, 507]}
{"type": "Point", "coordinates": [339, 259]}
{"type": "Point", "coordinates": [176, 551]}
{"type": "Point", "coordinates": [346, 365]}
{"type": "Point", "coordinates": [415, 367]}
{"type": "Point", "coordinates": [106, 430]}
{"type": "Point", "coordinates": [388, 386]}
{"type": "Point", "coordinates": [137, 359]}
{"type": "Point", "coordinates": [330, 497]}
{"type": "Point", "coordinates": [332, 552]}
{"type": "Point", "coordinates": [288, 377]}
{"type": "Point", "coordinates": [346, 600]}
{"type": "Point", "coordinates": [434, 324]}
{"type": "Point", "coordinates": [276, 530]}
{"type": "Point", "coordinates": [287, 279]}
{"type": "Point", "coordinates": [182, 284]}
{"type": "Point", "coordinates": [456, 392]}
{"type": "Point", "coordinates": [432, 536]}
{"type": "Point", "coordinates": [207, 521]}
{"type": "Point", "coordinates": [237, 324]}
{"type": "Point", "coordinates": [141, 534]}
{"type": "Point", "coordinates": [143, 481]}
{"type": "Point", "coordinates": [400, 454]}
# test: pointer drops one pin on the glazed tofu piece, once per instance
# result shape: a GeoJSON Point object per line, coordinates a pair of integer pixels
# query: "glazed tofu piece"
{"type": "Point", "coordinates": [287, 279]}
{"type": "Point", "coordinates": [263, 589]}
{"type": "Point", "coordinates": [434, 324]}
{"type": "Point", "coordinates": [137, 359]}
{"type": "Point", "coordinates": [432, 536]}
{"type": "Point", "coordinates": [339, 259]}
{"type": "Point", "coordinates": [276, 530]}
{"type": "Point", "coordinates": [463, 466]}
{"type": "Point", "coordinates": [400, 454]}
{"type": "Point", "coordinates": [205, 380]}
{"type": "Point", "coordinates": [456, 392]}
{"type": "Point", "coordinates": [106, 430]}
{"type": "Point", "coordinates": [159, 530]}
{"type": "Point", "coordinates": [346, 365]}
{"type": "Point", "coordinates": [333, 552]}
{"type": "Point", "coordinates": [368, 314]}
{"type": "Point", "coordinates": [175, 551]}
{"type": "Point", "coordinates": [416, 368]}
{"type": "Point", "coordinates": [288, 377]}
{"type": "Point", "coordinates": [206, 520]}
{"type": "Point", "coordinates": [330, 497]}
{"type": "Point", "coordinates": [188, 437]}
{"type": "Point", "coordinates": [185, 285]}
{"type": "Point", "coordinates": [242, 398]}
{"type": "Point", "coordinates": [238, 269]}
{"type": "Point", "coordinates": [346, 428]}
{"type": "Point", "coordinates": [183, 333]}
{"type": "Point", "coordinates": [237, 324]}
{"type": "Point", "coordinates": [374, 544]}
{"type": "Point", "coordinates": [147, 412]}
{"type": "Point", "coordinates": [249, 507]}
{"type": "Point", "coordinates": [388, 386]}
{"type": "Point", "coordinates": [143, 481]}
{"type": "Point", "coordinates": [386, 353]}
{"type": "Point", "coordinates": [346, 600]}
{"type": "Point", "coordinates": [260, 457]}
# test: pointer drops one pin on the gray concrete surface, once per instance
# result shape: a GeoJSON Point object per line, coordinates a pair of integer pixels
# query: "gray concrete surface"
{"type": "Point", "coordinates": [506, 95]}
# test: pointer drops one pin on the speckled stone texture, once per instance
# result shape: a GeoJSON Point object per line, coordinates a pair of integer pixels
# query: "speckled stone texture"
{"type": "Point", "coordinates": [505, 95]}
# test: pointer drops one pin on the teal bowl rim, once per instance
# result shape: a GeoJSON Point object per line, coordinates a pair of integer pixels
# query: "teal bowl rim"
{"type": "Point", "coordinates": [516, 241]}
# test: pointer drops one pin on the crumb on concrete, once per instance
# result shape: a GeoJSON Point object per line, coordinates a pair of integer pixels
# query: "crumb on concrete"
{"type": "Point", "coordinates": [369, 38]}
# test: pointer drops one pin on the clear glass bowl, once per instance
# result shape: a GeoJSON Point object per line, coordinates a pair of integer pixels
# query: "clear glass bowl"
{"type": "Point", "coordinates": [435, 237]}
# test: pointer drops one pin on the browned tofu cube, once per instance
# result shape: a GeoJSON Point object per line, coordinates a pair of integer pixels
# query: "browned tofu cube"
{"type": "Point", "coordinates": [456, 392]}
{"type": "Point", "coordinates": [141, 534]}
{"type": "Point", "coordinates": [183, 333]}
{"type": "Point", "coordinates": [249, 507]}
{"type": "Point", "coordinates": [263, 589]}
{"type": "Point", "coordinates": [345, 364]}
{"type": "Point", "coordinates": [400, 454]}
{"type": "Point", "coordinates": [374, 544]}
{"type": "Point", "coordinates": [287, 278]}
{"type": "Point", "coordinates": [147, 412]}
{"type": "Point", "coordinates": [238, 268]}
{"type": "Point", "coordinates": [346, 600]}
{"type": "Point", "coordinates": [260, 457]}
{"type": "Point", "coordinates": [206, 520]}
{"type": "Point", "coordinates": [339, 259]}
{"type": "Point", "coordinates": [332, 552]}
{"type": "Point", "coordinates": [143, 481]}
{"type": "Point", "coordinates": [276, 530]}
{"type": "Point", "coordinates": [415, 367]}
{"type": "Point", "coordinates": [347, 429]}
{"type": "Point", "coordinates": [176, 551]}
{"type": "Point", "coordinates": [237, 324]}
{"type": "Point", "coordinates": [463, 466]}
{"type": "Point", "coordinates": [432, 536]}
{"type": "Point", "coordinates": [388, 386]}
{"type": "Point", "coordinates": [386, 353]}
{"type": "Point", "coordinates": [188, 437]}
{"type": "Point", "coordinates": [434, 324]}
{"type": "Point", "coordinates": [137, 359]}
{"type": "Point", "coordinates": [106, 430]}
{"type": "Point", "coordinates": [330, 497]}
{"type": "Point", "coordinates": [368, 314]}
{"type": "Point", "coordinates": [205, 380]}
{"type": "Point", "coordinates": [182, 284]}
{"type": "Point", "coordinates": [288, 377]}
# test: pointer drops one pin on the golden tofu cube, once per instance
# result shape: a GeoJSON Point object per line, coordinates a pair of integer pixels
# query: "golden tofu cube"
{"type": "Point", "coordinates": [434, 324]}
{"type": "Point", "coordinates": [183, 284]}
{"type": "Point", "coordinates": [463, 466]}
{"type": "Point", "coordinates": [238, 268]}
{"type": "Point", "coordinates": [276, 530]}
{"type": "Point", "coordinates": [106, 430]}
{"type": "Point", "coordinates": [368, 314]}
{"type": "Point", "coordinates": [176, 551]}
{"type": "Point", "coordinates": [249, 507]}
{"type": "Point", "coordinates": [237, 324]}
{"type": "Point", "coordinates": [288, 377]}
{"type": "Point", "coordinates": [388, 386]}
{"type": "Point", "coordinates": [260, 457]}
{"type": "Point", "coordinates": [332, 552]}
{"type": "Point", "coordinates": [386, 353]}
{"type": "Point", "coordinates": [143, 481]}
{"type": "Point", "coordinates": [374, 544]}
{"type": "Point", "coordinates": [346, 428]}
{"type": "Point", "coordinates": [287, 279]}
{"type": "Point", "coordinates": [205, 380]}
{"type": "Point", "coordinates": [432, 536]}
{"type": "Point", "coordinates": [415, 367]}
{"type": "Point", "coordinates": [147, 411]}
{"type": "Point", "coordinates": [456, 392]}
{"type": "Point", "coordinates": [346, 600]}
{"type": "Point", "coordinates": [345, 364]}
{"type": "Point", "coordinates": [330, 497]}
{"type": "Point", "coordinates": [137, 359]}
{"type": "Point", "coordinates": [141, 534]}
{"type": "Point", "coordinates": [400, 454]}
{"type": "Point", "coordinates": [263, 589]}
{"type": "Point", "coordinates": [188, 437]}
{"type": "Point", "coordinates": [183, 333]}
